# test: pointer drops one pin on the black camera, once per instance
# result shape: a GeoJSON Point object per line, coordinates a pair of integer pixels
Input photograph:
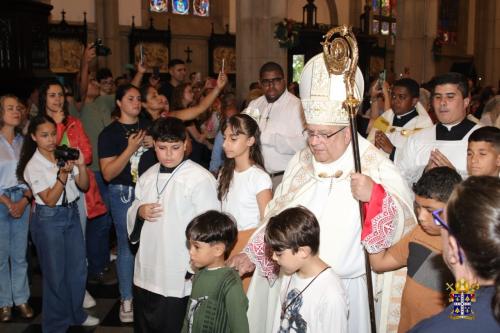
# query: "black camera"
{"type": "Point", "coordinates": [100, 49]}
{"type": "Point", "coordinates": [64, 153]}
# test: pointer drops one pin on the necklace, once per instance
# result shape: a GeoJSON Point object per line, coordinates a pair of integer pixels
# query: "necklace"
{"type": "Point", "coordinates": [284, 306]}
{"type": "Point", "coordinates": [130, 131]}
{"type": "Point", "coordinates": [160, 192]}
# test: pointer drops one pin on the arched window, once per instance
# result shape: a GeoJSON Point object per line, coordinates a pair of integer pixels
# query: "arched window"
{"type": "Point", "coordinates": [448, 21]}
{"type": "Point", "coordinates": [384, 17]}
{"type": "Point", "coordinates": [181, 7]}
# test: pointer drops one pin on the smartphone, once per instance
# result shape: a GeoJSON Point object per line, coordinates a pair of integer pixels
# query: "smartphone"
{"type": "Point", "coordinates": [141, 54]}
{"type": "Point", "coordinates": [381, 78]}
{"type": "Point", "coordinates": [222, 67]}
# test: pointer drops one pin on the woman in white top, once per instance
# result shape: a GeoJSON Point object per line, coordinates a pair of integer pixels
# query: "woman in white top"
{"type": "Point", "coordinates": [244, 187]}
{"type": "Point", "coordinates": [55, 225]}
{"type": "Point", "coordinates": [15, 199]}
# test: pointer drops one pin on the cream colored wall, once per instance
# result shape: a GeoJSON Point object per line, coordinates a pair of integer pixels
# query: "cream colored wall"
{"type": "Point", "coordinates": [343, 11]}
{"type": "Point", "coordinates": [74, 10]}
{"type": "Point", "coordinates": [294, 10]}
{"type": "Point", "coordinates": [127, 8]}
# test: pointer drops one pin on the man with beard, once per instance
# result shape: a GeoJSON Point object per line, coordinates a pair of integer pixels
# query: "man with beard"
{"type": "Point", "coordinates": [279, 115]}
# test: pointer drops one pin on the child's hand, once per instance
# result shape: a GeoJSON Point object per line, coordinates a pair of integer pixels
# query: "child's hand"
{"type": "Point", "coordinates": [150, 212]}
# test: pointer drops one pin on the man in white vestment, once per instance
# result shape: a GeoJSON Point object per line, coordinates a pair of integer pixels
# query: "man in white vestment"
{"type": "Point", "coordinates": [407, 116]}
{"type": "Point", "coordinates": [445, 143]}
{"type": "Point", "coordinates": [321, 177]}
{"type": "Point", "coordinates": [279, 115]}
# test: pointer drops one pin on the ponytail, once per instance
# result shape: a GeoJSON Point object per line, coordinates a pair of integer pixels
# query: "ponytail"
{"type": "Point", "coordinates": [29, 145]}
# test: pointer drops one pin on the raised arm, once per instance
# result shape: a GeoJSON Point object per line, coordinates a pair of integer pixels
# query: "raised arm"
{"type": "Point", "coordinates": [195, 111]}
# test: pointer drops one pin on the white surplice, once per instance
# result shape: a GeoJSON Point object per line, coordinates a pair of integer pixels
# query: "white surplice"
{"type": "Point", "coordinates": [162, 260]}
{"type": "Point", "coordinates": [399, 135]}
{"type": "Point", "coordinates": [417, 150]}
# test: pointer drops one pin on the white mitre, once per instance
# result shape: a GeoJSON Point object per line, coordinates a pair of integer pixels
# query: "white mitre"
{"type": "Point", "coordinates": [323, 95]}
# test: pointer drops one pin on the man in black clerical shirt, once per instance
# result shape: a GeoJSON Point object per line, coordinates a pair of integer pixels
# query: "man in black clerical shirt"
{"type": "Point", "coordinates": [444, 144]}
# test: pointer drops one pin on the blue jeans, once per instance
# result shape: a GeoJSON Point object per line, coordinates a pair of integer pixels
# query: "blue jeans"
{"type": "Point", "coordinates": [120, 199]}
{"type": "Point", "coordinates": [98, 233]}
{"type": "Point", "coordinates": [57, 235]}
{"type": "Point", "coordinates": [13, 243]}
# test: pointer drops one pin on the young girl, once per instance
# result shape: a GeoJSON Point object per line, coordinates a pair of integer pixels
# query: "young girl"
{"type": "Point", "coordinates": [55, 226]}
{"type": "Point", "coordinates": [244, 187]}
{"type": "Point", "coordinates": [123, 154]}
{"type": "Point", "coordinates": [15, 199]}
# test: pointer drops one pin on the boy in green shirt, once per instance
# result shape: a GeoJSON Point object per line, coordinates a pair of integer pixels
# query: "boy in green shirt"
{"type": "Point", "coordinates": [217, 302]}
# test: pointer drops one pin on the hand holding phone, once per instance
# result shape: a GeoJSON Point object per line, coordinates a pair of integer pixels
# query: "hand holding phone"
{"type": "Point", "coordinates": [141, 54]}
{"type": "Point", "coordinates": [222, 67]}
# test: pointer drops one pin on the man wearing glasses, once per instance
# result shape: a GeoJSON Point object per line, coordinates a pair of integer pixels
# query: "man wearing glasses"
{"type": "Point", "coordinates": [321, 178]}
{"type": "Point", "coordinates": [406, 116]}
{"type": "Point", "coordinates": [279, 115]}
{"type": "Point", "coordinates": [445, 143]}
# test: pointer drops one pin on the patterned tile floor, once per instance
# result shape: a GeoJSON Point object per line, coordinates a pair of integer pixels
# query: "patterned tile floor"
{"type": "Point", "coordinates": [106, 310]}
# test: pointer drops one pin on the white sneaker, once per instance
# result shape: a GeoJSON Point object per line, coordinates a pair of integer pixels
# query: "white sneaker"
{"type": "Point", "coordinates": [88, 301]}
{"type": "Point", "coordinates": [126, 311]}
{"type": "Point", "coordinates": [90, 321]}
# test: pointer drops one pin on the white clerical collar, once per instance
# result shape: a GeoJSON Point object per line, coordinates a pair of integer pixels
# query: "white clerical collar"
{"type": "Point", "coordinates": [403, 115]}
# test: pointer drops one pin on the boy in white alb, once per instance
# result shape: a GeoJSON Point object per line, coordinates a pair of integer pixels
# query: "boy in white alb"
{"type": "Point", "coordinates": [167, 197]}
{"type": "Point", "coordinates": [312, 297]}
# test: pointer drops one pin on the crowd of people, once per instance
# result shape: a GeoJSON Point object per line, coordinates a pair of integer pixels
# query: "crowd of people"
{"type": "Point", "coordinates": [248, 219]}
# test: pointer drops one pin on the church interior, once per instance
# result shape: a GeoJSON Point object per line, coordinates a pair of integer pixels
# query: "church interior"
{"type": "Point", "coordinates": [419, 39]}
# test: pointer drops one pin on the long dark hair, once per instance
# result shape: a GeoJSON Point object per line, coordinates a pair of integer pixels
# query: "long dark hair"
{"type": "Point", "coordinates": [121, 91]}
{"type": "Point", "coordinates": [178, 96]}
{"type": "Point", "coordinates": [473, 214]}
{"type": "Point", "coordinates": [239, 124]}
{"type": "Point", "coordinates": [29, 145]}
{"type": "Point", "coordinates": [42, 98]}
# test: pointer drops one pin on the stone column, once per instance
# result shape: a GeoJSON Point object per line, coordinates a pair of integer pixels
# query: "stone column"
{"type": "Point", "coordinates": [255, 44]}
{"type": "Point", "coordinates": [108, 29]}
{"type": "Point", "coordinates": [416, 30]}
{"type": "Point", "coordinates": [487, 41]}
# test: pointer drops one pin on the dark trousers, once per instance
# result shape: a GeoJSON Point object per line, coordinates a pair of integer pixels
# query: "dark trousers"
{"type": "Point", "coordinates": [157, 313]}
{"type": "Point", "coordinates": [98, 234]}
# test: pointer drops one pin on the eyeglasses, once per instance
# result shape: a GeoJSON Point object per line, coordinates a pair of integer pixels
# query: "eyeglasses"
{"type": "Point", "coordinates": [321, 136]}
{"type": "Point", "coordinates": [268, 82]}
{"type": "Point", "coordinates": [438, 220]}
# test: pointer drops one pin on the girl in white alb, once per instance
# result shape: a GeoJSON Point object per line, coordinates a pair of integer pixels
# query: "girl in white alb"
{"type": "Point", "coordinates": [244, 187]}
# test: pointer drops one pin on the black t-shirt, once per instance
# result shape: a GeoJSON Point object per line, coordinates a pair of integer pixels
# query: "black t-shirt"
{"type": "Point", "coordinates": [113, 141]}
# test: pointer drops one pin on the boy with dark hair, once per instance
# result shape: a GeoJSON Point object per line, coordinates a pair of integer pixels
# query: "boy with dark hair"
{"type": "Point", "coordinates": [167, 196]}
{"type": "Point", "coordinates": [483, 152]}
{"type": "Point", "coordinates": [420, 251]}
{"type": "Point", "coordinates": [312, 298]}
{"type": "Point", "coordinates": [218, 302]}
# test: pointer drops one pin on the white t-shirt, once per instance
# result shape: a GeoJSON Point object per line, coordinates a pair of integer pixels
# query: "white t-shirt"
{"type": "Point", "coordinates": [41, 174]}
{"type": "Point", "coordinates": [241, 198]}
{"type": "Point", "coordinates": [321, 307]}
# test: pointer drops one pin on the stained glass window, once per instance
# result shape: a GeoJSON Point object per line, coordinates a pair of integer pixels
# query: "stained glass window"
{"type": "Point", "coordinates": [201, 7]}
{"type": "Point", "coordinates": [180, 7]}
{"type": "Point", "coordinates": [448, 21]}
{"type": "Point", "coordinates": [384, 17]}
{"type": "Point", "coordinates": [158, 6]}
